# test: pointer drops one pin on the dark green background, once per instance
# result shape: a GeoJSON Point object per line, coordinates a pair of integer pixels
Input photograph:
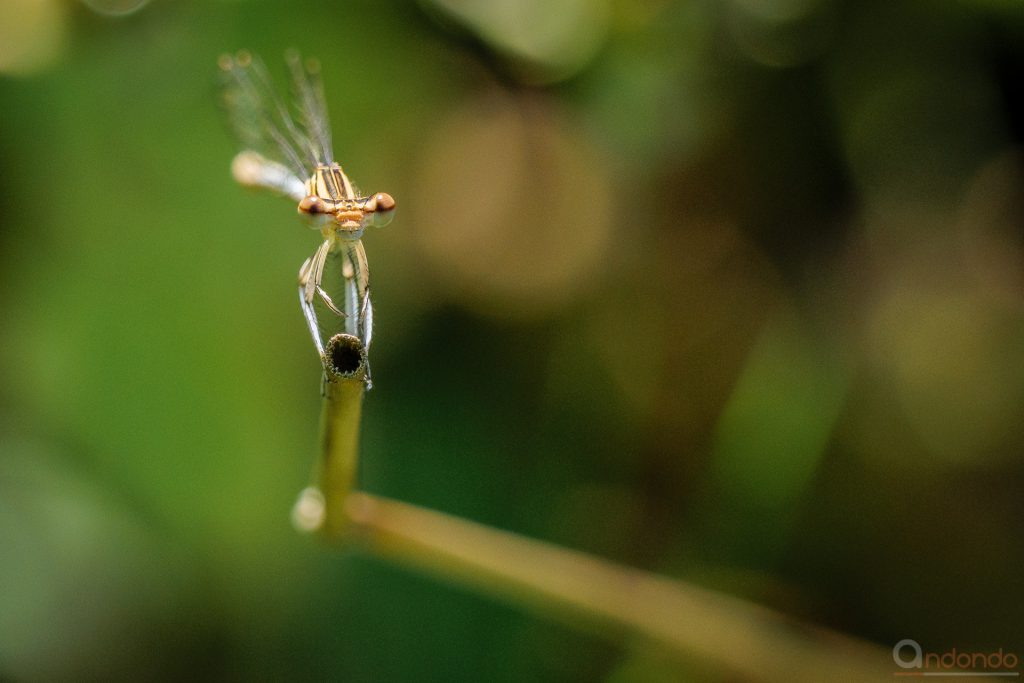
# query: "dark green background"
{"type": "Point", "coordinates": [732, 291]}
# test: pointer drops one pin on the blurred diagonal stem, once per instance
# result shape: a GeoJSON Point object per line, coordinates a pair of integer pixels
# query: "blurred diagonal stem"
{"type": "Point", "coordinates": [691, 623]}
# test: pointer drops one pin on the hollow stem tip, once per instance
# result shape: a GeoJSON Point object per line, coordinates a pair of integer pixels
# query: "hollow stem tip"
{"type": "Point", "coordinates": [345, 359]}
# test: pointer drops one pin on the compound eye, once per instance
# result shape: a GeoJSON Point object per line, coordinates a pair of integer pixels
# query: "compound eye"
{"type": "Point", "coordinates": [382, 208]}
{"type": "Point", "coordinates": [385, 202]}
{"type": "Point", "coordinates": [312, 205]}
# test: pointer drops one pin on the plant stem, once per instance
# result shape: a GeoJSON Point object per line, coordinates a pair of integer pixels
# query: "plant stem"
{"type": "Point", "coordinates": [691, 622]}
{"type": "Point", "coordinates": [322, 506]}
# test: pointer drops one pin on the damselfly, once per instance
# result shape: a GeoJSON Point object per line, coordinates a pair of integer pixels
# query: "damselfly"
{"type": "Point", "coordinates": [287, 149]}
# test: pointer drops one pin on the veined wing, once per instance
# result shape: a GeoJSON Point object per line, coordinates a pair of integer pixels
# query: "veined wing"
{"type": "Point", "coordinates": [252, 169]}
{"type": "Point", "coordinates": [311, 105]}
{"type": "Point", "coordinates": [295, 138]}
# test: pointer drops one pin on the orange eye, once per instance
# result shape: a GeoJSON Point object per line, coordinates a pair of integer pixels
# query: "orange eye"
{"type": "Point", "coordinates": [384, 201]}
{"type": "Point", "coordinates": [379, 210]}
{"type": "Point", "coordinates": [312, 205]}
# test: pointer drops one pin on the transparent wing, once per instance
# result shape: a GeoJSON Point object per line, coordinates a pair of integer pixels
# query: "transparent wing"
{"type": "Point", "coordinates": [310, 104]}
{"type": "Point", "coordinates": [254, 170]}
{"type": "Point", "coordinates": [263, 122]}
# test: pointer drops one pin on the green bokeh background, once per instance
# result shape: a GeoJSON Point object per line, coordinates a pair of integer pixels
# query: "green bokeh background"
{"type": "Point", "coordinates": [731, 291]}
